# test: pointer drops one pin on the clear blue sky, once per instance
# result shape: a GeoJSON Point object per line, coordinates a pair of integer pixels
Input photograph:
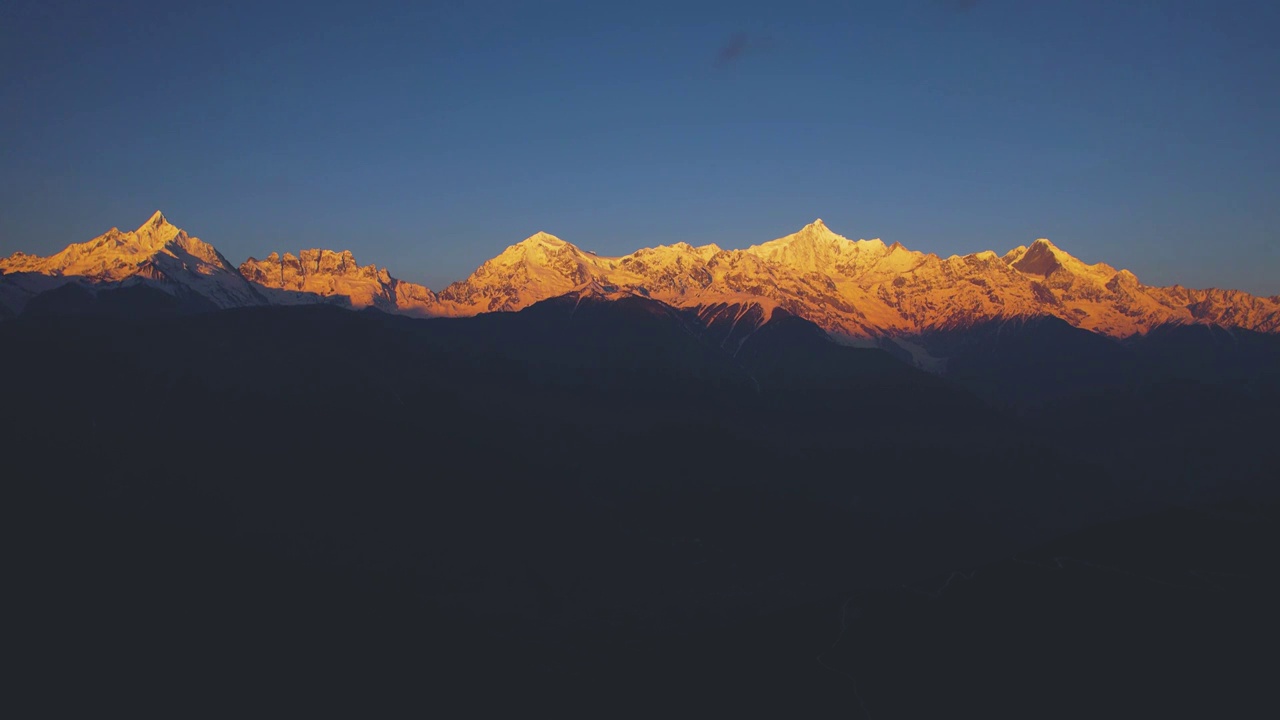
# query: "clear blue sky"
{"type": "Point", "coordinates": [428, 136]}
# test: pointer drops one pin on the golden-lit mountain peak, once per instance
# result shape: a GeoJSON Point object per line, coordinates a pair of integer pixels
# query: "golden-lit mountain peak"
{"type": "Point", "coordinates": [542, 237]}
{"type": "Point", "coordinates": [816, 231]}
{"type": "Point", "coordinates": [156, 231]}
{"type": "Point", "coordinates": [1042, 258]}
{"type": "Point", "coordinates": [157, 252]}
{"type": "Point", "coordinates": [814, 248]}
{"type": "Point", "coordinates": [850, 288]}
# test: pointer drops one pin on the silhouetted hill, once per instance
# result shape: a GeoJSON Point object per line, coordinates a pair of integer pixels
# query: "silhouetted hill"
{"type": "Point", "coordinates": [115, 300]}
{"type": "Point", "coordinates": [594, 503]}
{"type": "Point", "coordinates": [1027, 362]}
{"type": "Point", "coordinates": [1211, 354]}
{"type": "Point", "coordinates": [1167, 615]}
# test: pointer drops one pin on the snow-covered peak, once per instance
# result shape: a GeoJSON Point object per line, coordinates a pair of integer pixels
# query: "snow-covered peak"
{"type": "Point", "coordinates": [535, 248]}
{"type": "Point", "coordinates": [1037, 260]}
{"type": "Point", "coordinates": [1043, 258]}
{"type": "Point", "coordinates": [157, 252]}
{"type": "Point", "coordinates": [156, 231]}
{"type": "Point", "coordinates": [814, 248]}
{"type": "Point", "coordinates": [816, 231]}
{"type": "Point", "coordinates": [541, 238]}
{"type": "Point", "coordinates": [1043, 245]}
{"type": "Point", "coordinates": [1014, 255]}
{"type": "Point", "coordinates": [539, 267]}
{"type": "Point", "coordinates": [851, 288]}
{"type": "Point", "coordinates": [116, 255]}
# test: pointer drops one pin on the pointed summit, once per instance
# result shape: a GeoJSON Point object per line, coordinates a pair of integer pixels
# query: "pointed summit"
{"type": "Point", "coordinates": [156, 231]}
{"type": "Point", "coordinates": [1039, 259]}
{"type": "Point", "coordinates": [543, 238]}
{"type": "Point", "coordinates": [534, 248]}
{"type": "Point", "coordinates": [816, 229]}
{"type": "Point", "coordinates": [157, 253]}
{"type": "Point", "coordinates": [813, 247]}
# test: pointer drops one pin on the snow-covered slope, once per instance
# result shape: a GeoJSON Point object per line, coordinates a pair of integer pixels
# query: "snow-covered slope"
{"type": "Point", "coordinates": [539, 267]}
{"type": "Point", "coordinates": [327, 276]}
{"type": "Point", "coordinates": [855, 289]}
{"type": "Point", "coordinates": [157, 254]}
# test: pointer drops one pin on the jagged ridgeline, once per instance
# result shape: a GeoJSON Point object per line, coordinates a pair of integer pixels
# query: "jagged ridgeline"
{"type": "Point", "coordinates": [625, 485]}
{"type": "Point", "coordinates": [853, 289]}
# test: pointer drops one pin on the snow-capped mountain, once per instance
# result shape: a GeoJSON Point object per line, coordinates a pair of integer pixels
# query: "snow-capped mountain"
{"type": "Point", "coordinates": [854, 289]}
{"type": "Point", "coordinates": [857, 289]}
{"type": "Point", "coordinates": [327, 276]}
{"type": "Point", "coordinates": [157, 254]}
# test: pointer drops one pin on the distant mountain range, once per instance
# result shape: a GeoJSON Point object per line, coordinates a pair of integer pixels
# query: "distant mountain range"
{"type": "Point", "coordinates": [857, 291]}
{"type": "Point", "coordinates": [610, 485]}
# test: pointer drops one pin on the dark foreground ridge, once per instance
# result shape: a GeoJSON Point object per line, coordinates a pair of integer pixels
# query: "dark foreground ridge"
{"type": "Point", "coordinates": [598, 508]}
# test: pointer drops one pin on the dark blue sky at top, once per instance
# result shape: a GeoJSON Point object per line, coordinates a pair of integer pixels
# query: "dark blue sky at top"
{"type": "Point", "coordinates": [428, 136]}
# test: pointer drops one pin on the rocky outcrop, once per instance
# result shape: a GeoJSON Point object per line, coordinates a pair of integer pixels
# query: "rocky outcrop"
{"type": "Point", "coordinates": [327, 276]}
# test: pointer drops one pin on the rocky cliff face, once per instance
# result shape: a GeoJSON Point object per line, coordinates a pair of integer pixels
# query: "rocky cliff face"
{"type": "Point", "coordinates": [328, 276]}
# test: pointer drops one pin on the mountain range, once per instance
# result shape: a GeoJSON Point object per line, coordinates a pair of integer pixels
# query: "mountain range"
{"type": "Point", "coordinates": [858, 291]}
{"type": "Point", "coordinates": [617, 486]}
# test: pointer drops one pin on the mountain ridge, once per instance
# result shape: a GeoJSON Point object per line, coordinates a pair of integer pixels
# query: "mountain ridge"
{"type": "Point", "coordinates": [318, 275]}
{"type": "Point", "coordinates": [856, 290]}
{"type": "Point", "coordinates": [157, 254]}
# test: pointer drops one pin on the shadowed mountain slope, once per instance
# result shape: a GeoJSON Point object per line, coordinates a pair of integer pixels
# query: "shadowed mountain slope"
{"type": "Point", "coordinates": [593, 502]}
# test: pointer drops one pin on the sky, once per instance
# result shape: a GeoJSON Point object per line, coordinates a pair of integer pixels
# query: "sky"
{"type": "Point", "coordinates": [428, 136]}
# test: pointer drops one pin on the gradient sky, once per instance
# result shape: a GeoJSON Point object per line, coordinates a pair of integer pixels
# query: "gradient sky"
{"type": "Point", "coordinates": [428, 136]}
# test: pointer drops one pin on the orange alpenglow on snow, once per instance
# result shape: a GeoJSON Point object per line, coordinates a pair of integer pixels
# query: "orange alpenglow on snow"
{"type": "Point", "coordinates": [156, 252]}
{"type": "Point", "coordinates": [851, 288]}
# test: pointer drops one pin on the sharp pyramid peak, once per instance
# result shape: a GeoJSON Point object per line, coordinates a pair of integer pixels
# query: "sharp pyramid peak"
{"type": "Point", "coordinates": [156, 220]}
{"type": "Point", "coordinates": [817, 230]}
{"type": "Point", "coordinates": [1041, 258]}
{"type": "Point", "coordinates": [1045, 246]}
{"type": "Point", "coordinates": [817, 227]}
{"type": "Point", "coordinates": [535, 245]}
{"type": "Point", "coordinates": [542, 236]}
{"type": "Point", "coordinates": [157, 229]}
